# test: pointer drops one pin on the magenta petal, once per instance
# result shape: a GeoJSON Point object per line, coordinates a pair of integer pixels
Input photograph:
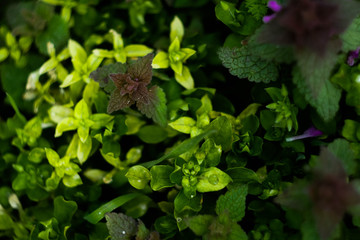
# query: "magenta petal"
{"type": "Point", "coordinates": [352, 56]}
{"type": "Point", "coordinates": [273, 5]}
{"type": "Point", "coordinates": [268, 18]}
{"type": "Point", "coordinates": [311, 132]}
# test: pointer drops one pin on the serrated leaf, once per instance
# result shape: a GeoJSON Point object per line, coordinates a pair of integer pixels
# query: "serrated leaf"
{"type": "Point", "coordinates": [233, 202]}
{"type": "Point", "coordinates": [121, 227]}
{"type": "Point", "coordinates": [156, 107]}
{"type": "Point", "coordinates": [257, 8]}
{"type": "Point", "coordinates": [243, 64]}
{"type": "Point", "coordinates": [328, 96]}
{"type": "Point", "coordinates": [200, 224]}
{"type": "Point", "coordinates": [351, 37]}
{"type": "Point", "coordinates": [101, 75]}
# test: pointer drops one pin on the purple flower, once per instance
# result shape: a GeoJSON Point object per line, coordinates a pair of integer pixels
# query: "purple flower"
{"type": "Point", "coordinates": [273, 5]}
{"type": "Point", "coordinates": [352, 56]}
{"type": "Point", "coordinates": [311, 132]}
{"type": "Point", "coordinates": [308, 24]}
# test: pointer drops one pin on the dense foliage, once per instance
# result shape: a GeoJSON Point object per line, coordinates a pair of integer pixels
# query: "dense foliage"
{"type": "Point", "coordinates": [180, 119]}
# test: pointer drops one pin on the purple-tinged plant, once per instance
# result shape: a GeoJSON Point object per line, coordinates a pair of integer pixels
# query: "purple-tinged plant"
{"type": "Point", "coordinates": [328, 194]}
{"type": "Point", "coordinates": [352, 56]}
{"type": "Point", "coordinates": [131, 87]}
{"type": "Point", "coordinates": [276, 7]}
{"type": "Point", "coordinates": [309, 24]}
{"type": "Point", "coordinates": [311, 132]}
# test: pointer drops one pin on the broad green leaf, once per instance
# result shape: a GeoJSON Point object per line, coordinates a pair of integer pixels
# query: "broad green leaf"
{"type": "Point", "coordinates": [176, 29]}
{"type": "Point", "coordinates": [6, 222]}
{"type": "Point", "coordinates": [58, 113]}
{"type": "Point", "coordinates": [77, 52]}
{"type": "Point", "coordinates": [160, 177]}
{"type": "Point", "coordinates": [100, 120]}
{"type": "Point", "coordinates": [210, 153]}
{"type": "Point", "coordinates": [83, 132]}
{"type": "Point", "coordinates": [233, 202]}
{"type": "Point", "coordinates": [206, 106]}
{"type": "Point", "coordinates": [212, 179]}
{"type": "Point", "coordinates": [48, 66]}
{"type": "Point", "coordinates": [64, 210]}
{"type": "Point", "coordinates": [137, 50]}
{"type": "Point", "coordinates": [243, 64]}
{"type": "Point", "coordinates": [342, 150]}
{"type": "Point", "coordinates": [226, 12]}
{"type": "Point", "coordinates": [33, 127]}
{"type": "Point", "coordinates": [185, 79]}
{"type": "Point", "coordinates": [138, 176]}
{"type": "Point", "coordinates": [180, 149]}
{"type": "Point", "coordinates": [242, 175]}
{"type": "Point", "coordinates": [81, 110]}
{"type": "Point", "coordinates": [84, 150]}
{"type": "Point", "coordinates": [161, 60]}
{"type": "Point", "coordinates": [350, 130]}
{"type": "Point", "coordinates": [70, 79]}
{"type": "Point", "coordinates": [351, 37]}
{"type": "Point", "coordinates": [223, 135]}
{"type": "Point", "coordinates": [4, 53]}
{"type": "Point", "coordinates": [200, 224]}
{"type": "Point", "coordinates": [237, 233]}
{"type": "Point", "coordinates": [152, 134]}
{"type": "Point", "coordinates": [52, 156]}
{"type": "Point", "coordinates": [67, 124]}
{"type": "Point", "coordinates": [72, 181]}
{"type": "Point", "coordinates": [95, 216]}
{"type": "Point", "coordinates": [182, 202]}
{"type": "Point", "coordinates": [134, 155]}
{"type": "Point", "coordinates": [183, 124]}
{"type": "Point", "coordinates": [36, 155]}
{"type": "Point", "coordinates": [121, 227]}
{"type": "Point", "coordinates": [327, 98]}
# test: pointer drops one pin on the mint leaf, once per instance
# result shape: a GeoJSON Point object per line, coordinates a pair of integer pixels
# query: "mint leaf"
{"type": "Point", "coordinates": [257, 8]}
{"type": "Point", "coordinates": [233, 202]}
{"type": "Point", "coordinates": [237, 233]}
{"type": "Point", "coordinates": [200, 224]}
{"type": "Point", "coordinates": [121, 227]}
{"type": "Point", "coordinates": [327, 97]}
{"type": "Point", "coordinates": [155, 108]}
{"type": "Point", "coordinates": [101, 75]}
{"type": "Point", "coordinates": [351, 37]}
{"type": "Point", "coordinates": [243, 64]}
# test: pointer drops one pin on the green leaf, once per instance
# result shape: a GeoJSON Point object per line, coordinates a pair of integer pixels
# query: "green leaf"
{"type": "Point", "coordinates": [36, 155]}
{"type": "Point", "coordinates": [342, 150]}
{"type": "Point", "coordinates": [327, 97]}
{"type": "Point", "coordinates": [183, 124]}
{"type": "Point", "coordinates": [77, 52]}
{"type": "Point", "coordinates": [237, 233]}
{"type": "Point", "coordinates": [67, 124]}
{"type": "Point", "coordinates": [180, 149]}
{"type": "Point", "coordinates": [223, 134]}
{"type": "Point", "coordinates": [233, 202]}
{"type": "Point", "coordinates": [160, 177]}
{"type": "Point", "coordinates": [57, 32]}
{"type": "Point", "coordinates": [210, 153]}
{"type": "Point", "coordinates": [64, 210]}
{"type": "Point", "coordinates": [58, 113]}
{"type": "Point", "coordinates": [121, 227]}
{"type": "Point", "coordinates": [176, 29]}
{"type": "Point", "coordinates": [84, 149]}
{"type": "Point", "coordinates": [257, 8]}
{"type": "Point", "coordinates": [350, 130]}
{"type": "Point", "coordinates": [138, 176]}
{"type": "Point", "coordinates": [52, 157]}
{"type": "Point", "coordinates": [95, 216]}
{"type": "Point", "coordinates": [152, 134]}
{"type": "Point", "coordinates": [161, 60]}
{"type": "Point", "coordinates": [185, 79]}
{"type": "Point", "coordinates": [226, 12]}
{"type": "Point", "coordinates": [242, 175]}
{"type": "Point", "coordinates": [212, 179]}
{"type": "Point", "coordinates": [351, 37]}
{"type": "Point", "coordinates": [200, 224]}
{"type": "Point", "coordinates": [137, 50]}
{"type": "Point", "coordinates": [156, 107]}
{"type": "Point", "coordinates": [81, 110]}
{"type": "Point", "coordinates": [6, 221]}
{"type": "Point", "coordinates": [182, 203]}
{"type": "Point", "coordinates": [243, 64]}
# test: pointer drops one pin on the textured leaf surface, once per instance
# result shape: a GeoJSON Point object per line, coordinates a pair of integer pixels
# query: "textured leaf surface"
{"type": "Point", "coordinates": [243, 64]}
{"type": "Point", "coordinates": [328, 96]}
{"type": "Point", "coordinates": [121, 227]}
{"type": "Point", "coordinates": [233, 202]}
{"type": "Point", "coordinates": [101, 75]}
{"type": "Point", "coordinates": [257, 8]}
{"type": "Point", "coordinates": [351, 37]}
{"type": "Point", "coordinates": [156, 107]}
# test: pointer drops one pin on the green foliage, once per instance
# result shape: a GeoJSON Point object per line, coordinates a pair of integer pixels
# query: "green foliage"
{"type": "Point", "coordinates": [127, 120]}
{"type": "Point", "coordinates": [243, 64]}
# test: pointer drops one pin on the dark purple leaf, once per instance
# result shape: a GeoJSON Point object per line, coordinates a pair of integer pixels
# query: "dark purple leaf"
{"type": "Point", "coordinates": [101, 74]}
{"type": "Point", "coordinates": [118, 101]}
{"type": "Point", "coordinates": [141, 70]}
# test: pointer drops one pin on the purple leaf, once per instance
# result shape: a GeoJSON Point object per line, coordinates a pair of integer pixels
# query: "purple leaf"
{"type": "Point", "coordinates": [102, 75]}
{"type": "Point", "coordinates": [118, 101]}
